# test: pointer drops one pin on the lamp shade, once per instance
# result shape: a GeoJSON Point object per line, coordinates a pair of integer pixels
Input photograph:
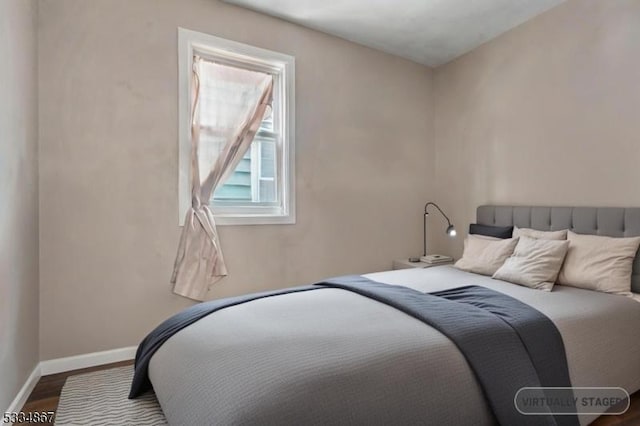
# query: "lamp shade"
{"type": "Point", "coordinates": [451, 231]}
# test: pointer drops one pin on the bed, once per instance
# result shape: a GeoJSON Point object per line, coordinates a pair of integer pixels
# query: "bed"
{"type": "Point", "coordinates": [334, 357]}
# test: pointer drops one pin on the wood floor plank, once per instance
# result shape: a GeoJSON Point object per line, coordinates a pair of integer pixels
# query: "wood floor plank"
{"type": "Point", "coordinates": [630, 418]}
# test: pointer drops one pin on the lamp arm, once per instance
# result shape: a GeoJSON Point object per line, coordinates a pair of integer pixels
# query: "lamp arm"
{"type": "Point", "coordinates": [430, 203]}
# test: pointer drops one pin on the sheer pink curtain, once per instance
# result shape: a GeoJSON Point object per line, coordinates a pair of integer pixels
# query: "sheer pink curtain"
{"type": "Point", "coordinates": [228, 105]}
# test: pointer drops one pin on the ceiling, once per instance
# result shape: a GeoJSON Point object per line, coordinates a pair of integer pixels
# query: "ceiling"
{"type": "Point", "coordinates": [430, 32]}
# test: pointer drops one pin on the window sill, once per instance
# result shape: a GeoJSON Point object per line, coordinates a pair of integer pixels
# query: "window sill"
{"type": "Point", "coordinates": [230, 220]}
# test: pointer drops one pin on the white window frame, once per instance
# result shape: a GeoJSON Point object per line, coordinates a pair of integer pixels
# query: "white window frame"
{"type": "Point", "coordinates": [282, 67]}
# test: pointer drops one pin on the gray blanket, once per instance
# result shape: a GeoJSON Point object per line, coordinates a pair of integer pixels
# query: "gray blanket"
{"type": "Point", "coordinates": [508, 344]}
{"type": "Point", "coordinates": [154, 340]}
{"type": "Point", "coordinates": [333, 357]}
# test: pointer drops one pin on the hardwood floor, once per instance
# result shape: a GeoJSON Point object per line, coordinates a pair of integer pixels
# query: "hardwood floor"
{"type": "Point", "coordinates": [46, 394]}
{"type": "Point", "coordinates": [630, 418]}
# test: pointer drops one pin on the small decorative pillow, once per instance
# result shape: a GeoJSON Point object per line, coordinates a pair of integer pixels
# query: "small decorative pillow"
{"type": "Point", "coordinates": [484, 256]}
{"type": "Point", "coordinates": [540, 235]}
{"type": "Point", "coordinates": [491, 231]}
{"type": "Point", "coordinates": [535, 263]}
{"type": "Point", "coordinates": [599, 263]}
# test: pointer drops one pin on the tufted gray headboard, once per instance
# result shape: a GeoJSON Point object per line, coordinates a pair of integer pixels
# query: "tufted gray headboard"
{"type": "Point", "coordinates": [609, 221]}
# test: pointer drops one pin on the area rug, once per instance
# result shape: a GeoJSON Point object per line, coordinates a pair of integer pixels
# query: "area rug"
{"type": "Point", "coordinates": [100, 398]}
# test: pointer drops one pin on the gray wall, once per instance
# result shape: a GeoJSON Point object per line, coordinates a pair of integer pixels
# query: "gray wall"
{"type": "Point", "coordinates": [546, 114]}
{"type": "Point", "coordinates": [18, 196]}
{"type": "Point", "coordinates": [109, 156]}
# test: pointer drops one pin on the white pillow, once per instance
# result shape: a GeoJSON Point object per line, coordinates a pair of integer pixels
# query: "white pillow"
{"type": "Point", "coordinates": [535, 263]}
{"type": "Point", "coordinates": [484, 256]}
{"type": "Point", "coordinates": [541, 235]}
{"type": "Point", "coordinates": [599, 263]}
{"type": "Point", "coordinates": [486, 237]}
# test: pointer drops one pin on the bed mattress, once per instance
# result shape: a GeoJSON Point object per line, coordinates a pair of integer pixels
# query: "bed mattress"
{"type": "Point", "coordinates": [333, 357]}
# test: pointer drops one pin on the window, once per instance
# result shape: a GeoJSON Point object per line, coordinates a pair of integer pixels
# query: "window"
{"type": "Point", "coordinates": [261, 188]}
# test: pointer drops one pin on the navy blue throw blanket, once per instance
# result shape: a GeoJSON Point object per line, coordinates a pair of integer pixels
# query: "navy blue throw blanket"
{"type": "Point", "coordinates": [507, 343]}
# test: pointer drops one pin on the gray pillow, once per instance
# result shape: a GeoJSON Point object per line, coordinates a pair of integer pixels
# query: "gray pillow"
{"type": "Point", "coordinates": [491, 231]}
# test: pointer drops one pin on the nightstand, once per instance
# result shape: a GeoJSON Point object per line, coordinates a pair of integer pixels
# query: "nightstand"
{"type": "Point", "coordinates": [405, 264]}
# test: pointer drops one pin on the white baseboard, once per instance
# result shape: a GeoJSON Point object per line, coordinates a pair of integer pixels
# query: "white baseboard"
{"type": "Point", "coordinates": [60, 365]}
{"type": "Point", "coordinates": [22, 396]}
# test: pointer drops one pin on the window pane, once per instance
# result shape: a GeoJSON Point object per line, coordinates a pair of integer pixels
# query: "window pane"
{"type": "Point", "coordinates": [267, 177]}
{"type": "Point", "coordinates": [268, 190]}
{"type": "Point", "coordinates": [238, 187]}
{"type": "Point", "coordinates": [254, 179]}
{"type": "Point", "coordinates": [268, 158]}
